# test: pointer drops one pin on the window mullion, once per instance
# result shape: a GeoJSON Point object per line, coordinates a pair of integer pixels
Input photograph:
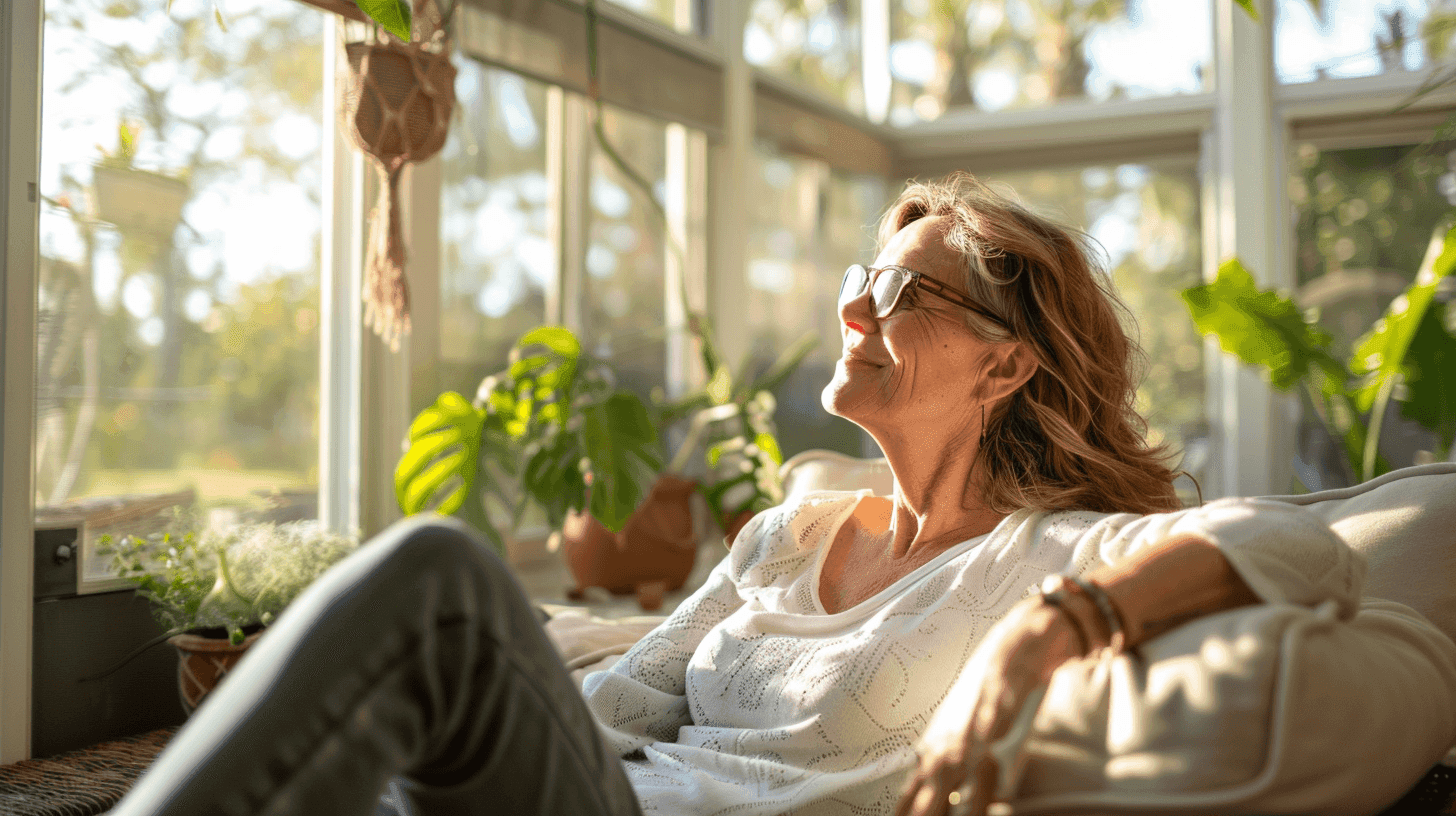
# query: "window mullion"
{"type": "Point", "coordinates": [875, 54]}
{"type": "Point", "coordinates": [728, 287]}
{"type": "Point", "coordinates": [1253, 443]}
{"type": "Point", "coordinates": [20, 22]}
{"type": "Point", "coordinates": [570, 178]}
{"type": "Point", "coordinates": [341, 264]}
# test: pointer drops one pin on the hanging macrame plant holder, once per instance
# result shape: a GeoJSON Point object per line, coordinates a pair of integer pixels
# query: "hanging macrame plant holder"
{"type": "Point", "coordinates": [397, 104]}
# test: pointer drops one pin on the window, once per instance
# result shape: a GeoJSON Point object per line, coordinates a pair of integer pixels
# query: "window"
{"type": "Point", "coordinates": [1350, 38]}
{"type": "Point", "coordinates": [675, 14]}
{"type": "Point", "coordinates": [1146, 219]}
{"type": "Point", "coordinates": [497, 258]}
{"type": "Point", "coordinates": [815, 43]}
{"type": "Point", "coordinates": [177, 326]}
{"type": "Point", "coordinates": [624, 288]}
{"type": "Point", "coordinates": [1031, 53]}
{"type": "Point", "coordinates": [808, 224]}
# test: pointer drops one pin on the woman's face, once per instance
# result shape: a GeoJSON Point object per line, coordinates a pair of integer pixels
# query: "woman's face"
{"type": "Point", "coordinates": [919, 367]}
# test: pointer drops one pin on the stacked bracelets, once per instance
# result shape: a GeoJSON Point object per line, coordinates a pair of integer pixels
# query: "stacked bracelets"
{"type": "Point", "coordinates": [1059, 590]}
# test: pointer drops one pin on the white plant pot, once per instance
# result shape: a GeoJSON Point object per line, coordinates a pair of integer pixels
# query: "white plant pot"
{"type": "Point", "coordinates": [138, 201]}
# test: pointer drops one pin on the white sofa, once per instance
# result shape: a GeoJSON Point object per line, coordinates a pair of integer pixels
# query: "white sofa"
{"type": "Point", "coordinates": [1114, 733]}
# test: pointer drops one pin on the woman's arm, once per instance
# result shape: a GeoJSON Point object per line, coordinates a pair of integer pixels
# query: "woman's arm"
{"type": "Point", "coordinates": [1159, 571]}
{"type": "Point", "coordinates": [1169, 584]}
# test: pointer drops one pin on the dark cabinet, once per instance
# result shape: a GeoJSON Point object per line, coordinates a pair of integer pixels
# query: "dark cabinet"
{"type": "Point", "coordinates": [76, 638]}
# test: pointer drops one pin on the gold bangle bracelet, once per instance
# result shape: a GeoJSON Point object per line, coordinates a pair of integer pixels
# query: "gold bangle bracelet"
{"type": "Point", "coordinates": [1117, 633]}
{"type": "Point", "coordinates": [1054, 593]}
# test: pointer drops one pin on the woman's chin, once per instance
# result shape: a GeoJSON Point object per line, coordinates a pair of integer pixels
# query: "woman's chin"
{"type": "Point", "coordinates": [847, 395]}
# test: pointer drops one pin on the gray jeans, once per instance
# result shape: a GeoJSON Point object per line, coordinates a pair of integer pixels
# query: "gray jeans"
{"type": "Point", "coordinates": [417, 659]}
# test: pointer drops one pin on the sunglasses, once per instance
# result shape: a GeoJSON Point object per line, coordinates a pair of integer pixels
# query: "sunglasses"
{"type": "Point", "coordinates": [888, 285]}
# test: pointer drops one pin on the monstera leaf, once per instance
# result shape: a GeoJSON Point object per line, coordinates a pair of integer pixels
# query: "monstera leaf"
{"type": "Point", "coordinates": [1268, 330]}
{"type": "Point", "coordinates": [439, 469]}
{"type": "Point", "coordinates": [1263, 329]}
{"type": "Point", "coordinates": [621, 447]}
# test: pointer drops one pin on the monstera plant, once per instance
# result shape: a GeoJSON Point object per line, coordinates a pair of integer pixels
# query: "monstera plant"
{"type": "Point", "coordinates": [1408, 355]}
{"type": "Point", "coordinates": [542, 432]}
{"type": "Point", "coordinates": [552, 430]}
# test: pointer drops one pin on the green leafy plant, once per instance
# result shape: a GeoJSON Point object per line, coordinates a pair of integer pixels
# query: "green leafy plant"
{"type": "Point", "coordinates": [229, 579]}
{"type": "Point", "coordinates": [735, 413]}
{"type": "Point", "coordinates": [553, 431]}
{"type": "Point", "coordinates": [1409, 354]}
{"type": "Point", "coordinates": [392, 15]}
{"type": "Point", "coordinates": [541, 431]}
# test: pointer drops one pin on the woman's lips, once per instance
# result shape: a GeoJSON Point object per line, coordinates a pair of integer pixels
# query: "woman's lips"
{"type": "Point", "coordinates": [856, 360]}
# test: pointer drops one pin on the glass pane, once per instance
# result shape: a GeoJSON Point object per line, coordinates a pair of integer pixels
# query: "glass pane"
{"type": "Point", "coordinates": [1364, 220]}
{"type": "Point", "coordinates": [498, 261]}
{"type": "Point", "coordinates": [815, 42]}
{"type": "Point", "coordinates": [807, 226]}
{"type": "Point", "coordinates": [177, 332]}
{"type": "Point", "coordinates": [1003, 54]}
{"type": "Point", "coordinates": [1354, 38]}
{"type": "Point", "coordinates": [1147, 221]}
{"type": "Point", "coordinates": [675, 14]}
{"type": "Point", "coordinates": [623, 289]}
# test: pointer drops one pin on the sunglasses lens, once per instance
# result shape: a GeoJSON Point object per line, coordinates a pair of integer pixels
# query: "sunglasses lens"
{"type": "Point", "coordinates": [854, 282]}
{"type": "Point", "coordinates": [886, 292]}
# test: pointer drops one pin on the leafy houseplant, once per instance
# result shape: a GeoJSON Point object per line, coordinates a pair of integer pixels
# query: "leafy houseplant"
{"type": "Point", "coordinates": [553, 430]}
{"type": "Point", "coordinates": [539, 432]}
{"type": "Point", "coordinates": [1408, 355]}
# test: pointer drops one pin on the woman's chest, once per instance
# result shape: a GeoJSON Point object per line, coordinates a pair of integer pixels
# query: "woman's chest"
{"type": "Point", "coordinates": [753, 672]}
{"type": "Point", "coordinates": [858, 566]}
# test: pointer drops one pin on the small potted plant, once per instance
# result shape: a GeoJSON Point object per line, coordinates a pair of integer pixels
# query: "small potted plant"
{"type": "Point", "coordinates": [732, 420]}
{"type": "Point", "coordinates": [215, 590]}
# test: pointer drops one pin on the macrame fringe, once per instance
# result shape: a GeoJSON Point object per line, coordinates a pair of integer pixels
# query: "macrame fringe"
{"type": "Point", "coordinates": [386, 292]}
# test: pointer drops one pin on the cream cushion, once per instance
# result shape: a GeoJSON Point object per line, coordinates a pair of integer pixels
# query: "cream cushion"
{"type": "Point", "coordinates": [1404, 523]}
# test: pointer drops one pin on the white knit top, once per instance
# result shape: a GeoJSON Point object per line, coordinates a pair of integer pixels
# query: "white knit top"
{"type": "Point", "coordinates": [751, 699]}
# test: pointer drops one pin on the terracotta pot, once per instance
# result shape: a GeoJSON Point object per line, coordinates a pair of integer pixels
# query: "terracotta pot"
{"type": "Point", "coordinates": [202, 662]}
{"type": "Point", "coordinates": [650, 557]}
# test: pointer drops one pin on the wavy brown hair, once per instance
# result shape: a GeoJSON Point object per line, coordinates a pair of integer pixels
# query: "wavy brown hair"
{"type": "Point", "coordinates": [1069, 438]}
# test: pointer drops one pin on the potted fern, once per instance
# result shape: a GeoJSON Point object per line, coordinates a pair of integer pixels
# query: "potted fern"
{"type": "Point", "coordinates": [215, 590]}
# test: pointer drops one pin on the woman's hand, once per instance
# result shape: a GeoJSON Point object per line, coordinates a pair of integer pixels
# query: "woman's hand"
{"type": "Point", "coordinates": [1016, 658]}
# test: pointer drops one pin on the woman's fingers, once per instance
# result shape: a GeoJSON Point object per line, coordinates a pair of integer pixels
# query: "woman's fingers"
{"type": "Point", "coordinates": [942, 788]}
{"type": "Point", "coordinates": [982, 789]}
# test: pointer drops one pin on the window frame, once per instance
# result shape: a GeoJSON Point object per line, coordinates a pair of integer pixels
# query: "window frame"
{"type": "Point", "coordinates": [20, 54]}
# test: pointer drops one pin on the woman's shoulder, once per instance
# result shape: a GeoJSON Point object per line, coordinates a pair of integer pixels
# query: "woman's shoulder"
{"type": "Point", "coordinates": [791, 529]}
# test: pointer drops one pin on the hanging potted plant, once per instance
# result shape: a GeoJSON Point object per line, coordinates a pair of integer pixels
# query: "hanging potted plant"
{"type": "Point", "coordinates": [398, 98]}
{"type": "Point", "coordinates": [216, 591]}
{"type": "Point", "coordinates": [139, 203]}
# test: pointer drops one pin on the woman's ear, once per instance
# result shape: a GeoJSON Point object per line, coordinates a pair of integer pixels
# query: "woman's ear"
{"type": "Point", "coordinates": [1008, 367]}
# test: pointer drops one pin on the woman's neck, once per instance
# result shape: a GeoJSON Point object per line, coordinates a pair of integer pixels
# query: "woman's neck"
{"type": "Point", "coordinates": [937, 501]}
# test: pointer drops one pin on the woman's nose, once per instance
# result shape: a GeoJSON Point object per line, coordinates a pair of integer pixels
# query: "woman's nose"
{"type": "Point", "coordinates": [858, 313]}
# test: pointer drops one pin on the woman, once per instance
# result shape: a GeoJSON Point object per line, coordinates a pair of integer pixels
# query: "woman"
{"type": "Point", "coordinates": [984, 355]}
